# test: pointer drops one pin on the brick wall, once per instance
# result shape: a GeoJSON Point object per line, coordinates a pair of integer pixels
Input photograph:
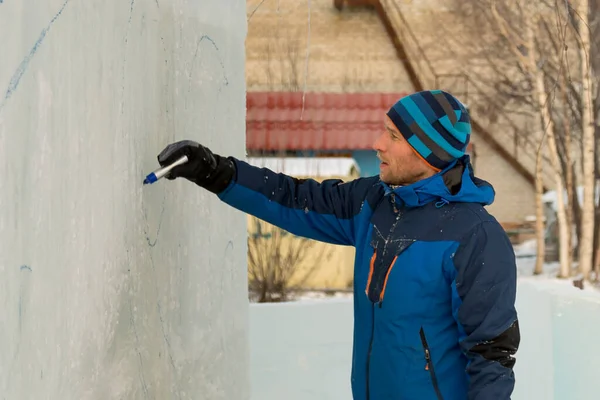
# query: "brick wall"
{"type": "Point", "coordinates": [515, 197]}
{"type": "Point", "coordinates": [349, 50]}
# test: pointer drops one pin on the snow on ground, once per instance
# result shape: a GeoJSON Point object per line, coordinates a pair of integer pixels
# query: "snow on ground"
{"type": "Point", "coordinates": [526, 258]}
{"type": "Point", "coordinates": [302, 349]}
{"type": "Point", "coordinates": [315, 296]}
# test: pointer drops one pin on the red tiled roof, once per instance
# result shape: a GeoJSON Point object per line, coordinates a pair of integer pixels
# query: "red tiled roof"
{"type": "Point", "coordinates": [329, 121]}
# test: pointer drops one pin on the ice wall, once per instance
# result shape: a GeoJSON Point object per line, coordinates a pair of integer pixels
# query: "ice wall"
{"type": "Point", "coordinates": [303, 350]}
{"type": "Point", "coordinates": [112, 290]}
{"type": "Point", "coordinates": [559, 356]}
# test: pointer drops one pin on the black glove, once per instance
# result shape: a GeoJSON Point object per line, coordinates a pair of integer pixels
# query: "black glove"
{"type": "Point", "coordinates": [204, 168]}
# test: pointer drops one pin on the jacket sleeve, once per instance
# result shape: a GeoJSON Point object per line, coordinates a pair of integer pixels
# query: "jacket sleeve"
{"type": "Point", "coordinates": [484, 293]}
{"type": "Point", "coordinates": [325, 211]}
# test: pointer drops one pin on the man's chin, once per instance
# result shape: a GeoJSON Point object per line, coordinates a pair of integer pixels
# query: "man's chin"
{"type": "Point", "coordinates": [390, 180]}
{"type": "Point", "coordinates": [385, 178]}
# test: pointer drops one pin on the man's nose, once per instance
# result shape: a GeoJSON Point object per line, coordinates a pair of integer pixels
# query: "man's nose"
{"type": "Point", "coordinates": [378, 144]}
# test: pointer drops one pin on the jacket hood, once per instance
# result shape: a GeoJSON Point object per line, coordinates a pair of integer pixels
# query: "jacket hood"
{"type": "Point", "coordinates": [455, 184]}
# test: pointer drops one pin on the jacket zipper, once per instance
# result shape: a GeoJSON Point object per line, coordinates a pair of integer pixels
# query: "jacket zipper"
{"type": "Point", "coordinates": [370, 347]}
{"type": "Point", "coordinates": [430, 365]}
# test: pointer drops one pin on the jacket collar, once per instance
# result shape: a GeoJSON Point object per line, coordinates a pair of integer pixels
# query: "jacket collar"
{"type": "Point", "coordinates": [454, 184]}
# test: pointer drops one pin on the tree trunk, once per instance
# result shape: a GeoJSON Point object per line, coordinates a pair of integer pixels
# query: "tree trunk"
{"type": "Point", "coordinates": [549, 131]}
{"type": "Point", "coordinates": [596, 272]}
{"type": "Point", "coordinates": [568, 171]}
{"type": "Point", "coordinates": [594, 24]}
{"type": "Point", "coordinates": [576, 213]}
{"type": "Point", "coordinates": [563, 232]}
{"type": "Point", "coordinates": [596, 252]}
{"type": "Point", "coordinates": [540, 223]}
{"type": "Point", "coordinates": [587, 223]}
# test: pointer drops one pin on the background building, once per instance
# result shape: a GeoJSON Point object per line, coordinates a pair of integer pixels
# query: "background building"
{"type": "Point", "coordinates": [333, 79]}
{"type": "Point", "coordinates": [320, 80]}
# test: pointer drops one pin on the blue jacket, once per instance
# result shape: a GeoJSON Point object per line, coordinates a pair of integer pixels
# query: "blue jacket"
{"type": "Point", "coordinates": [434, 276]}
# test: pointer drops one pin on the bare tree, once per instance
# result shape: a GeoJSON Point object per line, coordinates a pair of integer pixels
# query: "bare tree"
{"type": "Point", "coordinates": [588, 143]}
{"type": "Point", "coordinates": [527, 52]}
{"type": "Point", "coordinates": [594, 25]}
{"type": "Point", "coordinates": [277, 261]}
{"type": "Point", "coordinates": [521, 54]}
{"type": "Point", "coordinates": [540, 223]}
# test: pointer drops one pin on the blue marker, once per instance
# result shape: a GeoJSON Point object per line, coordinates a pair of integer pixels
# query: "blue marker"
{"type": "Point", "coordinates": [161, 172]}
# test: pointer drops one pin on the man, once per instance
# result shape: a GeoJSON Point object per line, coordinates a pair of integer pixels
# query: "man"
{"type": "Point", "coordinates": [434, 274]}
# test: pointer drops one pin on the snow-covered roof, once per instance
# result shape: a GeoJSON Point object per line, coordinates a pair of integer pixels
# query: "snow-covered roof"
{"type": "Point", "coordinates": [307, 166]}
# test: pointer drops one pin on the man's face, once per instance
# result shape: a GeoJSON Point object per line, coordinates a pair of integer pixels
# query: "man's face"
{"type": "Point", "coordinates": [400, 165]}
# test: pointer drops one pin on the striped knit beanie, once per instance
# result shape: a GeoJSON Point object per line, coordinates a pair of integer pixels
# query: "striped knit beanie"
{"type": "Point", "coordinates": [435, 124]}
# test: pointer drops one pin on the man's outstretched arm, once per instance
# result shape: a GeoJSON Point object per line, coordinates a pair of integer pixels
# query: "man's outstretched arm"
{"type": "Point", "coordinates": [484, 291]}
{"type": "Point", "coordinates": [322, 211]}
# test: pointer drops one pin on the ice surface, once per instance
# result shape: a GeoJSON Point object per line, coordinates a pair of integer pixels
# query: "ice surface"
{"type": "Point", "coordinates": [559, 356]}
{"type": "Point", "coordinates": [110, 289]}
{"type": "Point", "coordinates": [303, 350]}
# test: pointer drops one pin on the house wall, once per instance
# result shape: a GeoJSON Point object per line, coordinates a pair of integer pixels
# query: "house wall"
{"type": "Point", "coordinates": [515, 196]}
{"type": "Point", "coordinates": [349, 51]}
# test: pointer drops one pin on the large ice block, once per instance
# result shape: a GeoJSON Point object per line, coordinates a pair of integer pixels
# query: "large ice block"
{"type": "Point", "coordinates": [559, 357]}
{"type": "Point", "coordinates": [111, 289]}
